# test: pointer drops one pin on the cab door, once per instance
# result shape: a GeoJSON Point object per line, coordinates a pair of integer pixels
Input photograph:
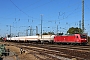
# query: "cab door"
{"type": "Point", "coordinates": [77, 39]}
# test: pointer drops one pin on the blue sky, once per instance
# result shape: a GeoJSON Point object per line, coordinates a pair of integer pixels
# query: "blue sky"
{"type": "Point", "coordinates": [21, 14]}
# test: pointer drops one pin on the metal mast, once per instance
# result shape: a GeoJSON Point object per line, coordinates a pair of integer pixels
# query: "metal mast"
{"type": "Point", "coordinates": [80, 24]}
{"type": "Point", "coordinates": [83, 15]}
{"type": "Point", "coordinates": [36, 30]}
{"type": "Point", "coordinates": [31, 31]}
{"type": "Point", "coordinates": [57, 29]}
{"type": "Point", "coordinates": [41, 26]}
{"type": "Point", "coordinates": [10, 30]}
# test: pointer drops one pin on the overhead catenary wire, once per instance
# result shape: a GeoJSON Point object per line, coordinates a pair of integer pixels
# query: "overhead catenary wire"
{"type": "Point", "coordinates": [19, 8]}
{"type": "Point", "coordinates": [31, 9]}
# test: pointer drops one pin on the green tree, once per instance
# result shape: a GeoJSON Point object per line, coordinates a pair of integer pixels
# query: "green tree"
{"type": "Point", "coordinates": [59, 33]}
{"type": "Point", "coordinates": [73, 30]}
{"type": "Point", "coordinates": [45, 33]}
{"type": "Point", "coordinates": [49, 33]}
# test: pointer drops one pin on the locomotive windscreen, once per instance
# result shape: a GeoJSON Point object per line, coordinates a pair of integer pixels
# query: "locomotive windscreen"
{"type": "Point", "coordinates": [83, 36]}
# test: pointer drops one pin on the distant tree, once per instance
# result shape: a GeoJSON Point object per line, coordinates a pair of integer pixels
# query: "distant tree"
{"type": "Point", "coordinates": [59, 33]}
{"type": "Point", "coordinates": [49, 33]}
{"type": "Point", "coordinates": [45, 33]}
{"type": "Point", "coordinates": [37, 34]}
{"type": "Point", "coordinates": [73, 30]}
{"type": "Point", "coordinates": [1, 38]}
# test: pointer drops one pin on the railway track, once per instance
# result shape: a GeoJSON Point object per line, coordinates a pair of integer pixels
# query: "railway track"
{"type": "Point", "coordinates": [79, 52]}
{"type": "Point", "coordinates": [54, 52]}
{"type": "Point", "coordinates": [68, 47]}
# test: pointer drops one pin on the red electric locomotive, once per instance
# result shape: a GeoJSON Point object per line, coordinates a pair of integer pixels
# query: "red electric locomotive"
{"type": "Point", "coordinates": [71, 39]}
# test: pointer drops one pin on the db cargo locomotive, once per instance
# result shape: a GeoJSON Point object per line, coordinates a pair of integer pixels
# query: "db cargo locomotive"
{"type": "Point", "coordinates": [68, 39]}
{"type": "Point", "coordinates": [71, 39]}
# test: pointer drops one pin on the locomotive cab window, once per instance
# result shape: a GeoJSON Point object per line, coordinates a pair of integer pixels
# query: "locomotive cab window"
{"type": "Point", "coordinates": [83, 36]}
{"type": "Point", "coordinates": [76, 36]}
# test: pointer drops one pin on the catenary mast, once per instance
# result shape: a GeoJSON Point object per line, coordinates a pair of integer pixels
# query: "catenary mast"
{"type": "Point", "coordinates": [83, 15]}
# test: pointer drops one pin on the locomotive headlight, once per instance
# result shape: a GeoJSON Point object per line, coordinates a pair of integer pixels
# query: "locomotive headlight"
{"type": "Point", "coordinates": [85, 39]}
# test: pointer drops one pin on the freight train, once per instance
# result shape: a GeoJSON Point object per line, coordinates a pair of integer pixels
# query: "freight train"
{"type": "Point", "coordinates": [61, 39]}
